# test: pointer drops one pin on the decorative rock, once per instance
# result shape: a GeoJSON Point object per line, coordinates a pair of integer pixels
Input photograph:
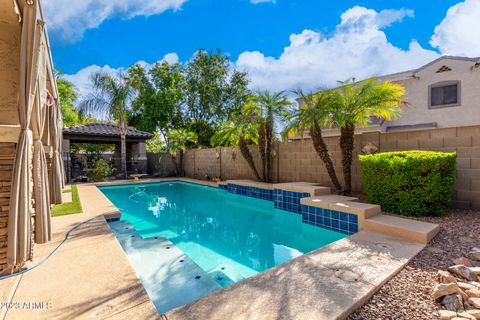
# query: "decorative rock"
{"type": "Point", "coordinates": [442, 290]}
{"type": "Point", "coordinates": [473, 293]}
{"type": "Point", "coordinates": [463, 272]}
{"type": "Point", "coordinates": [466, 315]}
{"type": "Point", "coordinates": [445, 277]}
{"type": "Point", "coordinates": [475, 284]}
{"type": "Point", "coordinates": [447, 314]}
{"type": "Point", "coordinates": [453, 302]}
{"type": "Point", "coordinates": [475, 302]}
{"type": "Point", "coordinates": [476, 270]}
{"type": "Point", "coordinates": [463, 261]}
{"type": "Point", "coordinates": [475, 313]}
{"type": "Point", "coordinates": [475, 254]}
{"type": "Point", "coordinates": [465, 286]}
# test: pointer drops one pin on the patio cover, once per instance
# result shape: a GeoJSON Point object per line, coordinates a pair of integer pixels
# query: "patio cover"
{"type": "Point", "coordinates": [32, 96]}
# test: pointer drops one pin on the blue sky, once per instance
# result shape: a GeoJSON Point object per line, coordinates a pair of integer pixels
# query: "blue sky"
{"type": "Point", "coordinates": [298, 43]}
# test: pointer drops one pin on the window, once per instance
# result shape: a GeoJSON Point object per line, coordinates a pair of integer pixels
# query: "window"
{"type": "Point", "coordinates": [445, 94]}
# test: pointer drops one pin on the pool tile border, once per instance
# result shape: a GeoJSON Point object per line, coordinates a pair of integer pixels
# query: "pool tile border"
{"type": "Point", "coordinates": [259, 193]}
{"type": "Point", "coordinates": [289, 200]}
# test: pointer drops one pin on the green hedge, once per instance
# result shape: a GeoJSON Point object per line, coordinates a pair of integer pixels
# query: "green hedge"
{"type": "Point", "coordinates": [410, 182]}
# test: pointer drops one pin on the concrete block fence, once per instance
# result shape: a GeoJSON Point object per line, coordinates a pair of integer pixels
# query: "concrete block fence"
{"type": "Point", "coordinates": [298, 161]}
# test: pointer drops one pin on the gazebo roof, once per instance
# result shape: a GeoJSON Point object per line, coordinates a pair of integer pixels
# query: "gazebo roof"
{"type": "Point", "coordinates": [104, 130]}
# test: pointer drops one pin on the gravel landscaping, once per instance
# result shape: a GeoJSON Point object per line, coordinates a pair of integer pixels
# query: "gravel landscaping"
{"type": "Point", "coordinates": [409, 294]}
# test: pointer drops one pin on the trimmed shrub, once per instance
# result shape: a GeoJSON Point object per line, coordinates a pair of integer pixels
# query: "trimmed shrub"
{"type": "Point", "coordinates": [100, 170]}
{"type": "Point", "coordinates": [413, 183]}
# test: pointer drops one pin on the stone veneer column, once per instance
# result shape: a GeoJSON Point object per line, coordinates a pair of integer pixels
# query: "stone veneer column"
{"type": "Point", "coordinates": [7, 156]}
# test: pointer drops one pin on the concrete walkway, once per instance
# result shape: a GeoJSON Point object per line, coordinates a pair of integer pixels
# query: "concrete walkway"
{"type": "Point", "coordinates": [88, 278]}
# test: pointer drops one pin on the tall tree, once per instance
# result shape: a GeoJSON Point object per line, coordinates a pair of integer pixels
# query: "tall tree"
{"type": "Point", "coordinates": [240, 130]}
{"type": "Point", "coordinates": [312, 115]}
{"type": "Point", "coordinates": [272, 106]}
{"type": "Point", "coordinates": [179, 140]}
{"type": "Point", "coordinates": [111, 99]}
{"type": "Point", "coordinates": [157, 105]}
{"type": "Point", "coordinates": [212, 92]}
{"type": "Point", "coordinates": [355, 104]}
{"type": "Point", "coordinates": [67, 96]}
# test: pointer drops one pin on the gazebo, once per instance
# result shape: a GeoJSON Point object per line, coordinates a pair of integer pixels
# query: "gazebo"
{"type": "Point", "coordinates": [103, 133]}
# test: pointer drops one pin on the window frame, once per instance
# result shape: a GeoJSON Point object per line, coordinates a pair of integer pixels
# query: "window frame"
{"type": "Point", "coordinates": [445, 84]}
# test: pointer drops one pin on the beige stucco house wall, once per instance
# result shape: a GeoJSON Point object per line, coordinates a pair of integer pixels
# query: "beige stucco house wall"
{"type": "Point", "coordinates": [419, 113]}
{"type": "Point", "coordinates": [9, 68]}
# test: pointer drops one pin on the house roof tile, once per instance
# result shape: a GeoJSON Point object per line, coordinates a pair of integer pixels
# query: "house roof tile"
{"type": "Point", "coordinates": [104, 130]}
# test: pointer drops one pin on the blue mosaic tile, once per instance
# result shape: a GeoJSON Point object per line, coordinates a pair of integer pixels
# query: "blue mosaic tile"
{"type": "Point", "coordinates": [352, 218]}
{"type": "Point", "coordinates": [290, 200]}
{"type": "Point", "coordinates": [327, 213]}
{"type": "Point", "coordinates": [327, 222]}
{"type": "Point", "coordinates": [353, 227]}
{"type": "Point", "coordinates": [335, 215]}
{"type": "Point", "coordinates": [254, 192]}
{"type": "Point", "coordinates": [335, 224]}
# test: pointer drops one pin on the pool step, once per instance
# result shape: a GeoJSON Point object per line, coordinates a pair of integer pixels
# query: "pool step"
{"type": "Point", "coordinates": [169, 276]}
{"type": "Point", "coordinates": [343, 204]}
{"type": "Point", "coordinates": [304, 187]}
{"type": "Point", "coordinates": [222, 278]}
{"type": "Point", "coordinates": [407, 229]}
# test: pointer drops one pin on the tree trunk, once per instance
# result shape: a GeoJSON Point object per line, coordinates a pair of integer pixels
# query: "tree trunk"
{"type": "Point", "coordinates": [269, 140]}
{"type": "Point", "coordinates": [182, 170]}
{"type": "Point", "coordinates": [247, 155]}
{"type": "Point", "coordinates": [262, 150]}
{"type": "Point", "coordinates": [347, 141]}
{"type": "Point", "coordinates": [123, 148]}
{"type": "Point", "coordinates": [174, 161]}
{"type": "Point", "coordinates": [322, 150]}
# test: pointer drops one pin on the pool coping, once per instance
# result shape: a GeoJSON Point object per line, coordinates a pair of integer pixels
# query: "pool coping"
{"type": "Point", "coordinates": [328, 283]}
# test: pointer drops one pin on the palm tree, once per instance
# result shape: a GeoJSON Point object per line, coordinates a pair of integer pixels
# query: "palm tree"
{"type": "Point", "coordinates": [241, 130]}
{"type": "Point", "coordinates": [355, 104]}
{"type": "Point", "coordinates": [179, 140]}
{"type": "Point", "coordinates": [271, 106]}
{"type": "Point", "coordinates": [312, 115]}
{"type": "Point", "coordinates": [111, 98]}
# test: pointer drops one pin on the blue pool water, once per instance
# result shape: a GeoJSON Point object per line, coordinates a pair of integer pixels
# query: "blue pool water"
{"type": "Point", "coordinates": [224, 234]}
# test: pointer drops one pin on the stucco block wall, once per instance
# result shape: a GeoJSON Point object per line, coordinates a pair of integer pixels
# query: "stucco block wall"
{"type": "Point", "coordinates": [417, 95]}
{"type": "Point", "coordinates": [298, 161]}
{"type": "Point", "coordinates": [9, 66]}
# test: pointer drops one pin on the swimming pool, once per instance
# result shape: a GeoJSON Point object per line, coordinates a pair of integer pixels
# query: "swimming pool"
{"type": "Point", "coordinates": [224, 237]}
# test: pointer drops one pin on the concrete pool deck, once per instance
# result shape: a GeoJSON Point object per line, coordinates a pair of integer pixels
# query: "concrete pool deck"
{"type": "Point", "coordinates": [90, 277]}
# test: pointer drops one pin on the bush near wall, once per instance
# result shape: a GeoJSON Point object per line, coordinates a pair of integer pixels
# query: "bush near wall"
{"type": "Point", "coordinates": [410, 182]}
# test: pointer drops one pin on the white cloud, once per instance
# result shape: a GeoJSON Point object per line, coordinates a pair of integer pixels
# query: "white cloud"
{"type": "Point", "coordinates": [459, 32]}
{"type": "Point", "coordinates": [68, 20]}
{"type": "Point", "coordinates": [358, 47]}
{"type": "Point", "coordinates": [83, 78]}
